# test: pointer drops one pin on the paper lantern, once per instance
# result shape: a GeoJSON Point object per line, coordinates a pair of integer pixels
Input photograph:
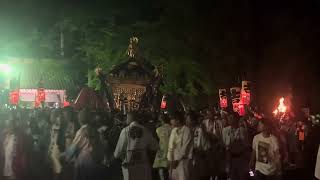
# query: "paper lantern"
{"type": "Point", "coordinates": [235, 97]}
{"type": "Point", "coordinates": [245, 92]}
{"type": "Point", "coordinates": [223, 103]}
{"type": "Point", "coordinates": [223, 98]}
{"type": "Point", "coordinates": [246, 86]}
{"type": "Point", "coordinates": [163, 102]}
{"type": "Point", "coordinates": [41, 95]}
{"type": "Point", "coordinates": [14, 97]}
{"type": "Point", "coordinates": [245, 97]}
{"type": "Point", "coordinates": [242, 110]}
{"type": "Point", "coordinates": [66, 104]}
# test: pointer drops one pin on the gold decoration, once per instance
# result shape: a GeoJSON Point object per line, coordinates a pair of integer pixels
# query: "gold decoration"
{"type": "Point", "coordinates": [133, 47]}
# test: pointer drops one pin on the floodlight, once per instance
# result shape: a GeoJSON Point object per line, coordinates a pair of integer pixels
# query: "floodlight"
{"type": "Point", "coordinates": [5, 68]}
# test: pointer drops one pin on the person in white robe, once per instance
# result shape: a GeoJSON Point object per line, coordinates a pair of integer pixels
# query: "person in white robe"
{"type": "Point", "coordinates": [161, 161]}
{"type": "Point", "coordinates": [134, 143]}
{"type": "Point", "coordinates": [54, 152]}
{"type": "Point", "coordinates": [85, 150]}
{"type": "Point", "coordinates": [180, 149]}
{"type": "Point", "coordinates": [13, 150]}
{"type": "Point", "coordinates": [201, 145]}
{"type": "Point", "coordinates": [317, 168]}
{"type": "Point", "coordinates": [213, 126]}
{"type": "Point", "coordinates": [237, 148]}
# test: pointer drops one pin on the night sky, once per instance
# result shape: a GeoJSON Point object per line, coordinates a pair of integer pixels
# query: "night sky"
{"type": "Point", "coordinates": [277, 41]}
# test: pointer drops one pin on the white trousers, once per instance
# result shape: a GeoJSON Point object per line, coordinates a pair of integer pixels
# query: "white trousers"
{"type": "Point", "coordinates": [182, 172]}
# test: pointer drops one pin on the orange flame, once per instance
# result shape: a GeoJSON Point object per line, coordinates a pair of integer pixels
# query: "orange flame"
{"type": "Point", "coordinates": [282, 108]}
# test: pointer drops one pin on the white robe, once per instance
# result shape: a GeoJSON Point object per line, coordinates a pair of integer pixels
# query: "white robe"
{"type": "Point", "coordinates": [180, 149]}
{"type": "Point", "coordinates": [317, 169]}
{"type": "Point", "coordinates": [9, 151]}
{"type": "Point", "coordinates": [133, 149]}
{"type": "Point", "coordinates": [54, 152]}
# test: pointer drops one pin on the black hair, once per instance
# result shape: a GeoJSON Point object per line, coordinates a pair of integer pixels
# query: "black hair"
{"type": "Point", "coordinates": [267, 123]}
{"type": "Point", "coordinates": [179, 116]}
{"type": "Point", "coordinates": [236, 116]}
{"type": "Point", "coordinates": [165, 118]}
{"type": "Point", "coordinates": [193, 116]}
{"type": "Point", "coordinates": [68, 109]}
{"type": "Point", "coordinates": [84, 116]}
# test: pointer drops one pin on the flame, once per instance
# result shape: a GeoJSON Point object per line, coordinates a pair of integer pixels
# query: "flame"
{"type": "Point", "coordinates": [282, 108]}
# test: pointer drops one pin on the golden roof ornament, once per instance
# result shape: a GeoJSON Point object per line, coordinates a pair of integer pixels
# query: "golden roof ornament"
{"type": "Point", "coordinates": [133, 47]}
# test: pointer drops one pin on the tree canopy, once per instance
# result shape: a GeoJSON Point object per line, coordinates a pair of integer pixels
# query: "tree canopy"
{"type": "Point", "coordinates": [202, 45]}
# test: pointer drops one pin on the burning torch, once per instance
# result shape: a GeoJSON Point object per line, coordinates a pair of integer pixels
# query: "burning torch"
{"type": "Point", "coordinates": [281, 111]}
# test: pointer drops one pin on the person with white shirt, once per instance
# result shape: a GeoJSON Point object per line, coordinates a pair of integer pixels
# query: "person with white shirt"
{"type": "Point", "coordinates": [54, 149]}
{"type": "Point", "coordinates": [265, 158]}
{"type": "Point", "coordinates": [10, 145]}
{"type": "Point", "coordinates": [134, 143]}
{"type": "Point", "coordinates": [13, 146]}
{"type": "Point", "coordinates": [317, 167]}
{"type": "Point", "coordinates": [85, 150]}
{"type": "Point", "coordinates": [235, 140]}
{"type": "Point", "coordinates": [213, 126]}
{"type": "Point", "coordinates": [161, 161]}
{"type": "Point", "coordinates": [180, 149]}
{"type": "Point", "coordinates": [201, 145]}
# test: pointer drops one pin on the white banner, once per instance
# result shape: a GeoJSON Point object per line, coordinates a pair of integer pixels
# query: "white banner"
{"type": "Point", "coordinates": [29, 95]}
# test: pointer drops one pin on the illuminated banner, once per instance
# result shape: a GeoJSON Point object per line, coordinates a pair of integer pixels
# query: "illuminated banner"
{"type": "Point", "coordinates": [223, 98]}
{"type": "Point", "coordinates": [235, 97]}
{"type": "Point", "coordinates": [245, 92]}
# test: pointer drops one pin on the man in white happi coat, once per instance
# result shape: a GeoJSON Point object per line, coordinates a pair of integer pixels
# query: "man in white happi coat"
{"type": "Point", "coordinates": [180, 149]}
{"type": "Point", "coordinates": [54, 149]}
{"type": "Point", "coordinates": [317, 168]}
{"type": "Point", "coordinates": [133, 145]}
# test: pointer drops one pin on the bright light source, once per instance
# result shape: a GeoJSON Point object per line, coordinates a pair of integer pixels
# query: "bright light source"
{"type": "Point", "coordinates": [5, 68]}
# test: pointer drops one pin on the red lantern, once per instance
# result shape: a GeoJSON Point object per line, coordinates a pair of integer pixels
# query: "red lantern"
{"type": "Point", "coordinates": [41, 95]}
{"type": "Point", "coordinates": [235, 97]}
{"type": "Point", "coordinates": [245, 92]}
{"type": "Point", "coordinates": [14, 97]}
{"type": "Point", "coordinates": [235, 107]}
{"type": "Point", "coordinates": [223, 98]}
{"type": "Point", "coordinates": [223, 103]}
{"type": "Point", "coordinates": [242, 110]}
{"type": "Point", "coordinates": [245, 97]}
{"type": "Point", "coordinates": [163, 102]}
{"type": "Point", "coordinates": [66, 104]}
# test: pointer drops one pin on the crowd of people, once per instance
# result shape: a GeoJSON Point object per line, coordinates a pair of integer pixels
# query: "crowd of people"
{"type": "Point", "coordinates": [61, 144]}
